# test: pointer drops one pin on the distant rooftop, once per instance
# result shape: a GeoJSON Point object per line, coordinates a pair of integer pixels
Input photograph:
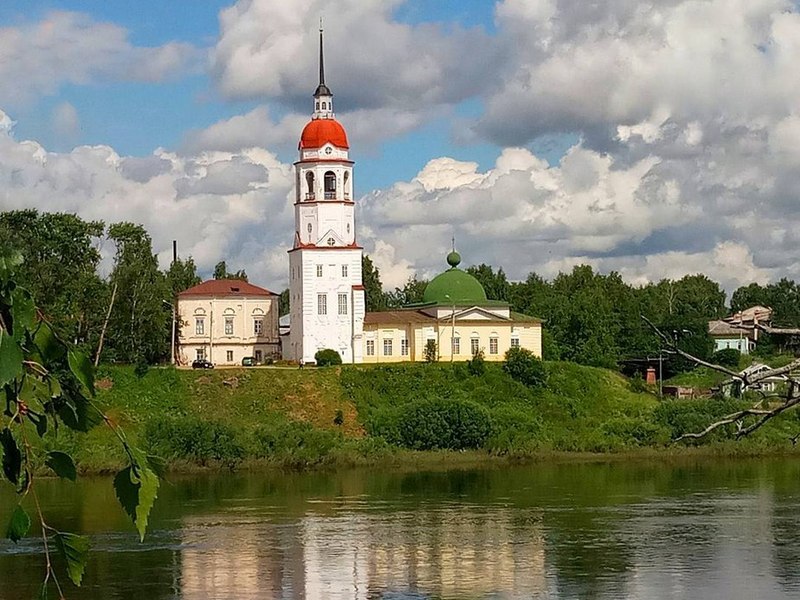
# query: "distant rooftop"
{"type": "Point", "coordinates": [225, 288]}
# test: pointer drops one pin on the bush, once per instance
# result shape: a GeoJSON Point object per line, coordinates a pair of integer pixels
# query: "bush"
{"type": "Point", "coordinates": [728, 357]}
{"type": "Point", "coordinates": [431, 354]}
{"type": "Point", "coordinates": [141, 368]}
{"type": "Point", "coordinates": [638, 385]}
{"type": "Point", "coordinates": [443, 424]}
{"type": "Point", "coordinates": [691, 416]}
{"type": "Point", "coordinates": [524, 367]}
{"type": "Point", "coordinates": [476, 365]}
{"type": "Point", "coordinates": [189, 438]}
{"type": "Point", "coordinates": [327, 357]}
{"type": "Point", "coordinates": [294, 443]}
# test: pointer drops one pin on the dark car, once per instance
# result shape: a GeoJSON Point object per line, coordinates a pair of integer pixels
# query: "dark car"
{"type": "Point", "coordinates": [248, 361]}
{"type": "Point", "coordinates": [202, 364]}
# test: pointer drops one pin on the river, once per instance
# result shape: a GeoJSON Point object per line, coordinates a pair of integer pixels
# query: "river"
{"type": "Point", "coordinates": [715, 529]}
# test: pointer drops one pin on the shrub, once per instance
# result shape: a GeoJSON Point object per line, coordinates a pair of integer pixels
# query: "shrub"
{"type": "Point", "coordinates": [476, 365]}
{"type": "Point", "coordinates": [327, 357]}
{"type": "Point", "coordinates": [690, 416]}
{"type": "Point", "coordinates": [294, 443]}
{"type": "Point", "coordinates": [728, 357]}
{"type": "Point", "coordinates": [141, 368]}
{"type": "Point", "coordinates": [524, 367]}
{"type": "Point", "coordinates": [190, 438]}
{"type": "Point", "coordinates": [443, 423]}
{"type": "Point", "coordinates": [431, 354]}
{"type": "Point", "coordinates": [637, 384]}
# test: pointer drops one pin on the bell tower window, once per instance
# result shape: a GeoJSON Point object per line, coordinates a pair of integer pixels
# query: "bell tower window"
{"type": "Point", "coordinates": [330, 185]}
{"type": "Point", "coordinates": [310, 185]}
{"type": "Point", "coordinates": [344, 186]}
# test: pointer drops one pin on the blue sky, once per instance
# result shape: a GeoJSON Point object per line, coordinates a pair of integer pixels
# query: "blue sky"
{"type": "Point", "coordinates": [136, 118]}
{"type": "Point", "coordinates": [630, 136]}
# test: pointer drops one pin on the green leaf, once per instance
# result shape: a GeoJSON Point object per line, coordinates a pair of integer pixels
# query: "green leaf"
{"type": "Point", "coordinates": [12, 456]}
{"type": "Point", "coordinates": [23, 312]}
{"type": "Point", "coordinates": [10, 358]}
{"type": "Point", "coordinates": [136, 487]}
{"type": "Point", "coordinates": [74, 549]}
{"type": "Point", "coordinates": [82, 368]}
{"type": "Point", "coordinates": [9, 261]}
{"type": "Point", "coordinates": [158, 465]}
{"type": "Point", "coordinates": [50, 347]}
{"type": "Point", "coordinates": [76, 413]}
{"type": "Point", "coordinates": [19, 525]}
{"type": "Point", "coordinates": [62, 465]}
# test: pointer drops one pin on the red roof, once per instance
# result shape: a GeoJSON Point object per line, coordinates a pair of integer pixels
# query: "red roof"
{"type": "Point", "coordinates": [319, 132]}
{"type": "Point", "coordinates": [226, 287]}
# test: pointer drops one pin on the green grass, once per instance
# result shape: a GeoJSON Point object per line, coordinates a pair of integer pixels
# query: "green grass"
{"type": "Point", "coordinates": [352, 415]}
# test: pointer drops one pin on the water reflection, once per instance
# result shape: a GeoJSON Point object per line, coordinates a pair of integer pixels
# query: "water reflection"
{"type": "Point", "coordinates": [452, 551]}
{"type": "Point", "coordinates": [574, 531]}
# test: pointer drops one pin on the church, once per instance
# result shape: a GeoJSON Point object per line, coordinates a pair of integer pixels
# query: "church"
{"type": "Point", "coordinates": [327, 303]}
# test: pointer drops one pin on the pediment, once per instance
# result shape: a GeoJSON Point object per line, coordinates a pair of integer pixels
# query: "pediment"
{"type": "Point", "coordinates": [325, 240]}
{"type": "Point", "coordinates": [477, 313]}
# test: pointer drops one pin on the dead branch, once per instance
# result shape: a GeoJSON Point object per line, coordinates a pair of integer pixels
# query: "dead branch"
{"type": "Point", "coordinates": [789, 399]}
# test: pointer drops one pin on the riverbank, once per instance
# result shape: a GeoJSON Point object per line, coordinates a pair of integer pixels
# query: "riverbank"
{"type": "Point", "coordinates": [401, 416]}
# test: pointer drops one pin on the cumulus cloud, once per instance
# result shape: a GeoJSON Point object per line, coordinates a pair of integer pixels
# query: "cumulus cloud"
{"type": "Point", "coordinates": [268, 49]}
{"type": "Point", "coordinates": [218, 205]}
{"type": "Point", "coordinates": [67, 47]}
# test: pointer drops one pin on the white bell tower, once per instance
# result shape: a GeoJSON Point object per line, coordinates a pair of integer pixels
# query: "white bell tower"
{"type": "Point", "coordinates": [326, 301]}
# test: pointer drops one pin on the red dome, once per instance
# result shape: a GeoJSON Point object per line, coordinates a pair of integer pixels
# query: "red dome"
{"type": "Point", "coordinates": [322, 131]}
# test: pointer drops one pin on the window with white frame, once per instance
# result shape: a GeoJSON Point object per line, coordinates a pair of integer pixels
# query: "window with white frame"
{"type": "Point", "coordinates": [404, 347]}
{"type": "Point", "coordinates": [258, 326]}
{"type": "Point", "coordinates": [370, 347]}
{"type": "Point", "coordinates": [493, 345]}
{"type": "Point", "coordinates": [200, 354]}
{"type": "Point", "coordinates": [344, 270]}
{"type": "Point", "coordinates": [515, 342]}
{"type": "Point", "coordinates": [228, 325]}
{"type": "Point", "coordinates": [342, 304]}
{"type": "Point", "coordinates": [387, 347]}
{"type": "Point", "coordinates": [319, 270]}
{"type": "Point", "coordinates": [474, 345]}
{"type": "Point", "coordinates": [229, 355]}
{"type": "Point", "coordinates": [456, 345]}
{"type": "Point", "coordinates": [199, 325]}
{"type": "Point", "coordinates": [322, 304]}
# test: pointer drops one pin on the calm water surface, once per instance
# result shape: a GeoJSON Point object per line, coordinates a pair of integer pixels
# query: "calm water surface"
{"type": "Point", "coordinates": [714, 530]}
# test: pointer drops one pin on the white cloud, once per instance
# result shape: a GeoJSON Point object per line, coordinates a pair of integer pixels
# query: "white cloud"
{"type": "Point", "coordinates": [66, 47]}
{"type": "Point", "coordinates": [66, 122]}
{"type": "Point", "coordinates": [218, 205]}
{"type": "Point", "coordinates": [268, 49]}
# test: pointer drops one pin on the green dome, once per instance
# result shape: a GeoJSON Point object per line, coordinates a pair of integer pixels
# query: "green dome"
{"type": "Point", "coordinates": [454, 286]}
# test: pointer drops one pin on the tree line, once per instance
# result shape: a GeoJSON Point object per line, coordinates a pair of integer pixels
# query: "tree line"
{"type": "Point", "coordinates": [130, 308]}
{"type": "Point", "coordinates": [590, 318]}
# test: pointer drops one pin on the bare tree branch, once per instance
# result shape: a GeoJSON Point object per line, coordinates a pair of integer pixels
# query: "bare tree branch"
{"type": "Point", "coordinates": [789, 399]}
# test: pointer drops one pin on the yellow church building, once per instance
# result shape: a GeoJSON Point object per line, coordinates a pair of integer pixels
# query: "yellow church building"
{"type": "Point", "coordinates": [454, 322]}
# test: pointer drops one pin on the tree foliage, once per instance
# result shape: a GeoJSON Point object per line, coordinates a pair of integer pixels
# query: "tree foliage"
{"type": "Point", "coordinates": [47, 384]}
{"type": "Point", "coordinates": [371, 277]}
{"type": "Point", "coordinates": [221, 272]}
{"type": "Point", "coordinates": [140, 321]}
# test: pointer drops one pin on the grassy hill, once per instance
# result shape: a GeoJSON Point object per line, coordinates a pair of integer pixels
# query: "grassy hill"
{"type": "Point", "coordinates": [369, 414]}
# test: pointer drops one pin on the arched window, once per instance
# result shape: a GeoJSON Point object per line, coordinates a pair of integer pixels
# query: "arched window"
{"type": "Point", "coordinates": [344, 186]}
{"type": "Point", "coordinates": [317, 104]}
{"type": "Point", "coordinates": [330, 185]}
{"type": "Point", "coordinates": [474, 343]}
{"type": "Point", "coordinates": [310, 184]}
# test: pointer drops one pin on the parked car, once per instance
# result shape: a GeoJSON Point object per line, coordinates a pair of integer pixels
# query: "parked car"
{"type": "Point", "coordinates": [202, 364]}
{"type": "Point", "coordinates": [249, 361]}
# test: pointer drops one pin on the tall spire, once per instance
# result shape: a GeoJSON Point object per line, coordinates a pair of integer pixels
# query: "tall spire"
{"type": "Point", "coordinates": [321, 57]}
{"type": "Point", "coordinates": [322, 89]}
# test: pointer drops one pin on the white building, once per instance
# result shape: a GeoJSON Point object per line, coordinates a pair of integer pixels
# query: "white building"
{"type": "Point", "coordinates": [226, 320]}
{"type": "Point", "coordinates": [326, 292]}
